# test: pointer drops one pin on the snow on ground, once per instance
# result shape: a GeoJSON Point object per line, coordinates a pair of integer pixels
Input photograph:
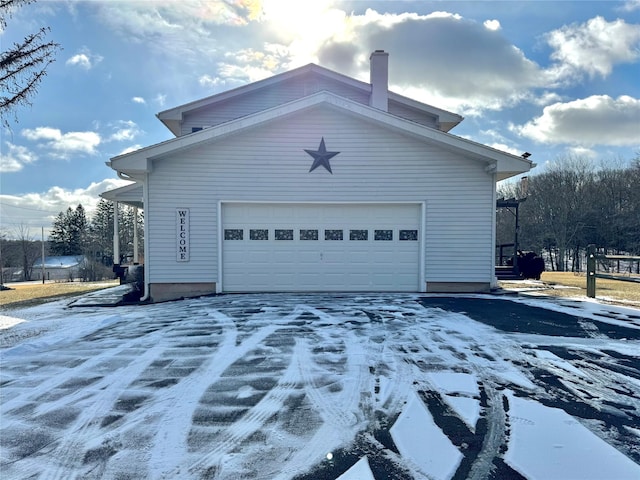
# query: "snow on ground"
{"type": "Point", "coordinates": [322, 387]}
{"type": "Point", "coordinates": [8, 322]}
{"type": "Point", "coordinates": [426, 446]}
{"type": "Point", "coordinates": [529, 444]}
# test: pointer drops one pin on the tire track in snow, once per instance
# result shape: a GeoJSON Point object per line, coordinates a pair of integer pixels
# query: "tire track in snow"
{"type": "Point", "coordinates": [335, 407]}
{"type": "Point", "coordinates": [54, 381]}
{"type": "Point", "coordinates": [66, 453]}
{"type": "Point", "coordinates": [170, 443]}
{"type": "Point", "coordinates": [70, 453]}
{"type": "Point", "coordinates": [375, 403]}
{"type": "Point", "coordinates": [271, 403]}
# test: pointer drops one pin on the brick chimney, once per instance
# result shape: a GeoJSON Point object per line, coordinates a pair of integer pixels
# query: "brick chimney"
{"type": "Point", "coordinates": [379, 79]}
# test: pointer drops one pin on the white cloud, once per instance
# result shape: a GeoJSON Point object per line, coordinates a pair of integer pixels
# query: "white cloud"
{"type": "Point", "coordinates": [594, 47]}
{"type": "Point", "coordinates": [630, 6]}
{"type": "Point", "coordinates": [39, 209]}
{"type": "Point", "coordinates": [490, 72]}
{"type": "Point", "coordinates": [595, 120]}
{"type": "Point", "coordinates": [15, 158]}
{"type": "Point", "coordinates": [130, 149]}
{"type": "Point", "coordinates": [64, 145]}
{"type": "Point", "coordinates": [160, 99]}
{"type": "Point", "coordinates": [188, 30]}
{"type": "Point", "coordinates": [209, 81]}
{"type": "Point", "coordinates": [544, 98]}
{"type": "Point", "coordinates": [506, 148]}
{"type": "Point", "coordinates": [492, 25]}
{"type": "Point", "coordinates": [84, 59]}
{"type": "Point", "coordinates": [80, 60]}
{"type": "Point", "coordinates": [126, 130]}
{"type": "Point", "coordinates": [582, 152]}
{"type": "Point", "coordinates": [138, 100]}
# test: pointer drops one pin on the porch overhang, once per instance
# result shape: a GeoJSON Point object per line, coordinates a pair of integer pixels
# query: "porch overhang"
{"type": "Point", "coordinates": [130, 195]}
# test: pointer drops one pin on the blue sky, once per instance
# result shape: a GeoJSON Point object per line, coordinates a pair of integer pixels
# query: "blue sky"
{"type": "Point", "coordinates": [557, 79]}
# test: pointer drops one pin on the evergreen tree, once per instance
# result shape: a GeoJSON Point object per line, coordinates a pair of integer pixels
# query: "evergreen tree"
{"type": "Point", "coordinates": [101, 232]}
{"type": "Point", "coordinates": [70, 232]}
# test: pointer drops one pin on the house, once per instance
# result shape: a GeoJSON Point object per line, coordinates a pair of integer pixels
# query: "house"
{"type": "Point", "coordinates": [314, 181]}
{"type": "Point", "coordinates": [61, 267]}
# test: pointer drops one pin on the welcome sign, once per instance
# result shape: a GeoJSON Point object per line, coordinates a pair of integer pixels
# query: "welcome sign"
{"type": "Point", "coordinates": [182, 234]}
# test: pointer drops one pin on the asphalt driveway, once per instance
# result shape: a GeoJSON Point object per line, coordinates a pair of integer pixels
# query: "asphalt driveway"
{"type": "Point", "coordinates": [322, 386]}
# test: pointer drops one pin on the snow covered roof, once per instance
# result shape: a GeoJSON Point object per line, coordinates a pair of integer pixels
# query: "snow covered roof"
{"type": "Point", "coordinates": [62, 261]}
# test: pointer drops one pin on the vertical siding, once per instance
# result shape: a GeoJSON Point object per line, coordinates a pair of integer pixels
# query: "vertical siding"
{"type": "Point", "coordinates": [269, 164]}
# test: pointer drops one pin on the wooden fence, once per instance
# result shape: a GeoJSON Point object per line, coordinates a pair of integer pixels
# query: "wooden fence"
{"type": "Point", "coordinates": [592, 274]}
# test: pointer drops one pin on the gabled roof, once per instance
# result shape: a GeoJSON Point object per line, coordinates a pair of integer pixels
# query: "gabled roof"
{"type": "Point", "coordinates": [172, 118]}
{"type": "Point", "coordinates": [504, 164]}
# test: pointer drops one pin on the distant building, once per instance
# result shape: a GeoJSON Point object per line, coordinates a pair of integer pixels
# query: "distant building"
{"type": "Point", "coordinates": [65, 267]}
{"type": "Point", "coordinates": [314, 181]}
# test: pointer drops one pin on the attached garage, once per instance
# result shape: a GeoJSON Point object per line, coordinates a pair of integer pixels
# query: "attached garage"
{"type": "Point", "coordinates": [321, 247]}
{"type": "Point", "coordinates": [311, 181]}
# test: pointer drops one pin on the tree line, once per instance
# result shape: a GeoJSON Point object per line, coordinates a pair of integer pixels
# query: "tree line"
{"type": "Point", "coordinates": [572, 204]}
{"type": "Point", "coordinates": [73, 234]}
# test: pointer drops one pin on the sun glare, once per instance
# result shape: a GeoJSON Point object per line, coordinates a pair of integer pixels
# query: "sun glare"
{"type": "Point", "coordinates": [305, 24]}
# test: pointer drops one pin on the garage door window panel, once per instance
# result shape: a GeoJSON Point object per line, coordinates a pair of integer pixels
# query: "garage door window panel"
{"type": "Point", "coordinates": [308, 234]}
{"type": "Point", "coordinates": [408, 235]}
{"type": "Point", "coordinates": [233, 234]}
{"type": "Point", "coordinates": [333, 235]}
{"type": "Point", "coordinates": [383, 235]}
{"type": "Point", "coordinates": [359, 235]}
{"type": "Point", "coordinates": [258, 234]}
{"type": "Point", "coordinates": [283, 234]}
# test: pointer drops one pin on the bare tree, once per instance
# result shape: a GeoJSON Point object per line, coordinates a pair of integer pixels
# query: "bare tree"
{"type": "Point", "coordinates": [23, 65]}
{"type": "Point", "coordinates": [558, 207]}
{"type": "Point", "coordinates": [30, 250]}
{"type": "Point", "coordinates": [576, 202]}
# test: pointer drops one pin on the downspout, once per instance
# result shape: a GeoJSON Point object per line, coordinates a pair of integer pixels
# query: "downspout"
{"type": "Point", "coordinates": [145, 203]}
{"type": "Point", "coordinates": [494, 199]}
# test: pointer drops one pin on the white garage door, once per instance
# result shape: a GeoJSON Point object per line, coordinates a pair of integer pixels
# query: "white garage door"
{"type": "Point", "coordinates": [320, 247]}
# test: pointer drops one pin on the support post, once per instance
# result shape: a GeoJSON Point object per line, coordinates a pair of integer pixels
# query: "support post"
{"type": "Point", "coordinates": [116, 235]}
{"type": "Point", "coordinates": [516, 266]}
{"type": "Point", "coordinates": [118, 269]}
{"type": "Point", "coordinates": [591, 271]}
{"type": "Point", "coordinates": [135, 236]}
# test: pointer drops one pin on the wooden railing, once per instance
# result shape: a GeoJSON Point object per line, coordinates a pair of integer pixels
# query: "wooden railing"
{"type": "Point", "coordinates": [592, 274]}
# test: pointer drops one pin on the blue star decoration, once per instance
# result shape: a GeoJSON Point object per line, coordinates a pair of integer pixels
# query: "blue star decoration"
{"type": "Point", "coordinates": [321, 157]}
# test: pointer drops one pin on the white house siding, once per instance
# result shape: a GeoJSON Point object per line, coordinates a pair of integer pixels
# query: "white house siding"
{"type": "Point", "coordinates": [374, 165]}
{"type": "Point", "coordinates": [269, 97]}
{"type": "Point", "coordinates": [165, 196]}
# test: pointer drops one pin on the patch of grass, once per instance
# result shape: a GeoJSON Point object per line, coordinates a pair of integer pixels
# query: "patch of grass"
{"type": "Point", "coordinates": [569, 284]}
{"type": "Point", "coordinates": [27, 294]}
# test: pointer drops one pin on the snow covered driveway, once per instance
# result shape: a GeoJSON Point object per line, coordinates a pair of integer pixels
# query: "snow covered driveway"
{"type": "Point", "coordinates": [322, 387]}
